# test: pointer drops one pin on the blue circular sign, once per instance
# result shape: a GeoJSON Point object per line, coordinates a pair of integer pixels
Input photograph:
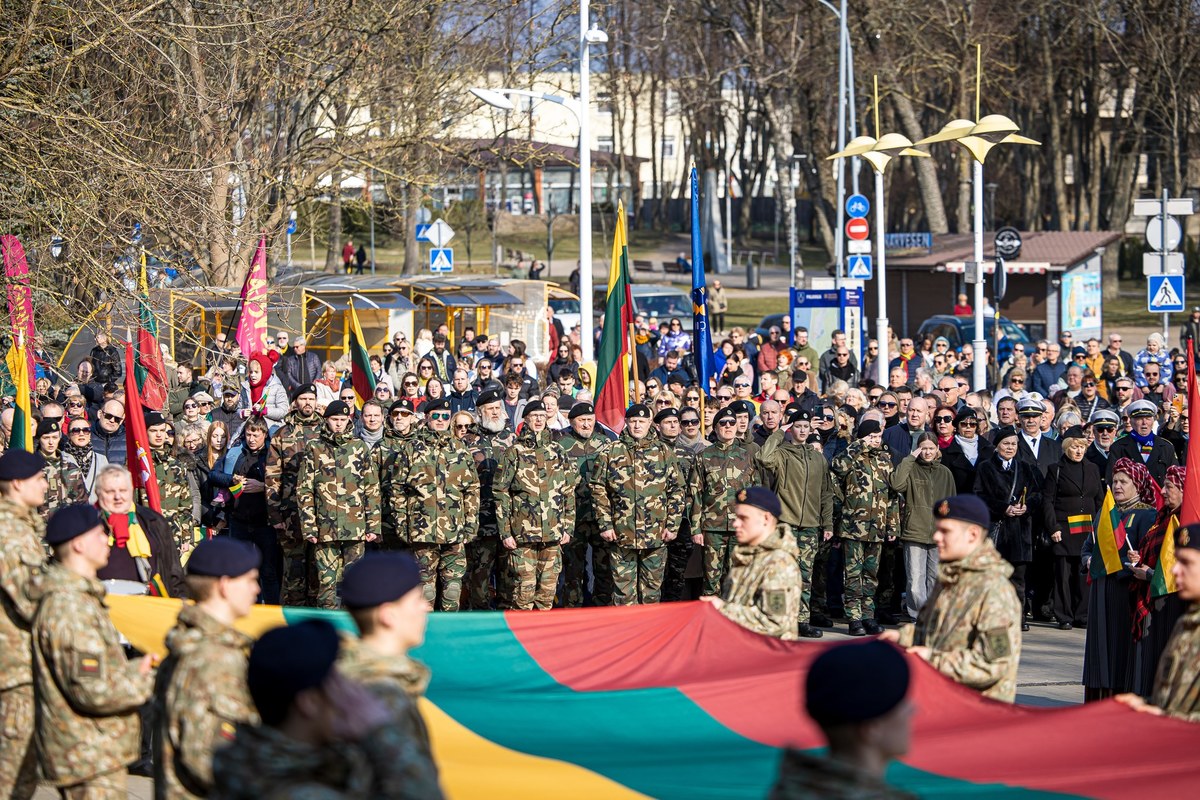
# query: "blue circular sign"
{"type": "Point", "coordinates": [857, 206]}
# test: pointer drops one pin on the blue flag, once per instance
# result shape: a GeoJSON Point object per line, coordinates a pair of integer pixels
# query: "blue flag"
{"type": "Point", "coordinates": [702, 350]}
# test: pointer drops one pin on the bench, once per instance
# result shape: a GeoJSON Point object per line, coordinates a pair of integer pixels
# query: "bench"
{"type": "Point", "coordinates": [675, 266]}
{"type": "Point", "coordinates": [640, 265]}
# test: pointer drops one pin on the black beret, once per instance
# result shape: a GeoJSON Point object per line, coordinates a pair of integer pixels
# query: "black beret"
{"type": "Point", "coordinates": [47, 426]}
{"type": "Point", "coordinates": [154, 418]}
{"type": "Point", "coordinates": [964, 413]}
{"type": "Point", "coordinates": [287, 660]}
{"type": "Point", "coordinates": [813, 438]}
{"type": "Point", "coordinates": [1003, 432]}
{"type": "Point", "coordinates": [965, 508]}
{"type": "Point", "coordinates": [70, 521]}
{"type": "Point", "coordinates": [677, 377]}
{"type": "Point", "coordinates": [800, 415]}
{"type": "Point", "coordinates": [852, 683]}
{"type": "Point", "coordinates": [531, 407]}
{"type": "Point", "coordinates": [337, 407]}
{"type": "Point", "coordinates": [581, 410]}
{"type": "Point", "coordinates": [1074, 432]}
{"type": "Point", "coordinates": [403, 404]}
{"type": "Point", "coordinates": [436, 404]}
{"type": "Point", "coordinates": [1188, 536]}
{"type": "Point", "coordinates": [637, 411]}
{"type": "Point", "coordinates": [304, 388]}
{"type": "Point", "coordinates": [760, 497]}
{"type": "Point", "coordinates": [17, 464]}
{"type": "Point", "coordinates": [725, 413]}
{"type": "Point", "coordinates": [488, 396]}
{"type": "Point", "coordinates": [666, 413]}
{"type": "Point", "coordinates": [799, 376]}
{"type": "Point", "coordinates": [868, 426]}
{"type": "Point", "coordinates": [379, 578]}
{"type": "Point", "coordinates": [223, 557]}
{"type": "Point", "coordinates": [742, 407]}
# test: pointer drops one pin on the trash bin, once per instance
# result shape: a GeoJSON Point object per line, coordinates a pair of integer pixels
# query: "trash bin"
{"type": "Point", "coordinates": [752, 269]}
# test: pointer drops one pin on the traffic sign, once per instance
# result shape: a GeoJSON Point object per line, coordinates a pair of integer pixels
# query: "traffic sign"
{"type": "Point", "coordinates": [859, 268]}
{"type": "Point", "coordinates": [1007, 243]}
{"type": "Point", "coordinates": [441, 259]}
{"type": "Point", "coordinates": [857, 206]}
{"type": "Point", "coordinates": [1176, 207]}
{"type": "Point", "coordinates": [858, 246]}
{"type": "Point", "coordinates": [857, 228]}
{"type": "Point", "coordinates": [1162, 263]}
{"type": "Point", "coordinates": [1164, 293]}
{"type": "Point", "coordinates": [440, 233]}
{"type": "Point", "coordinates": [291, 228]}
{"type": "Point", "coordinates": [422, 231]}
{"type": "Point", "coordinates": [1154, 233]}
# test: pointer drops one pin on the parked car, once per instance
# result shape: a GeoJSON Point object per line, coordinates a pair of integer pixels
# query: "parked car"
{"type": "Point", "coordinates": [566, 309]}
{"type": "Point", "coordinates": [653, 300]}
{"type": "Point", "coordinates": [768, 322]}
{"type": "Point", "coordinates": [959, 330]}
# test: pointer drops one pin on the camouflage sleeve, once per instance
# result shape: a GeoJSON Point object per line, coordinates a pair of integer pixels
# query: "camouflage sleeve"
{"type": "Point", "coordinates": [907, 632]}
{"type": "Point", "coordinates": [994, 649]}
{"type": "Point", "coordinates": [567, 467]}
{"type": "Point", "coordinates": [401, 771]}
{"type": "Point", "coordinates": [274, 480]}
{"type": "Point", "coordinates": [76, 489]}
{"type": "Point", "coordinates": [18, 568]}
{"type": "Point", "coordinates": [776, 604]}
{"type": "Point", "coordinates": [677, 500]}
{"type": "Point", "coordinates": [470, 490]}
{"type": "Point", "coordinates": [94, 675]}
{"type": "Point", "coordinates": [305, 498]}
{"type": "Point", "coordinates": [695, 491]}
{"type": "Point", "coordinates": [826, 500]}
{"type": "Point", "coordinates": [371, 495]}
{"type": "Point", "coordinates": [205, 727]}
{"type": "Point", "coordinates": [600, 499]}
{"type": "Point", "coordinates": [506, 471]}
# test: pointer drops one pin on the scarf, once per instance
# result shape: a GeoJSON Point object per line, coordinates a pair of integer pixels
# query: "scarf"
{"type": "Point", "coordinates": [944, 442]}
{"type": "Point", "coordinates": [257, 390]}
{"type": "Point", "coordinates": [1145, 444]}
{"type": "Point", "coordinates": [84, 456]}
{"type": "Point", "coordinates": [1150, 548]}
{"type": "Point", "coordinates": [124, 531]}
{"type": "Point", "coordinates": [970, 448]}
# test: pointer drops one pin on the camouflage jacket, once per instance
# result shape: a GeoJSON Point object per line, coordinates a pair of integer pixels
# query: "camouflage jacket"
{"type": "Point", "coordinates": [865, 505]}
{"type": "Point", "coordinates": [337, 489]}
{"type": "Point", "coordinates": [487, 451]}
{"type": "Point", "coordinates": [718, 473]}
{"type": "Point", "coordinates": [535, 490]}
{"type": "Point", "coordinates": [283, 465]}
{"type": "Point", "coordinates": [800, 476]}
{"type": "Point", "coordinates": [398, 681]}
{"type": "Point", "coordinates": [64, 484]}
{"type": "Point", "coordinates": [636, 490]}
{"type": "Point", "coordinates": [265, 764]}
{"type": "Point", "coordinates": [435, 498]}
{"type": "Point", "coordinates": [972, 623]}
{"type": "Point", "coordinates": [583, 452]}
{"type": "Point", "coordinates": [1177, 684]}
{"type": "Point", "coordinates": [802, 776]}
{"type": "Point", "coordinates": [200, 698]}
{"type": "Point", "coordinates": [22, 560]}
{"type": "Point", "coordinates": [88, 691]}
{"type": "Point", "coordinates": [685, 463]}
{"type": "Point", "coordinates": [176, 494]}
{"type": "Point", "coordinates": [762, 590]}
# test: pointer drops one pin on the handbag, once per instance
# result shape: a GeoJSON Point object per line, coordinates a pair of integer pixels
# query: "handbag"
{"type": "Point", "coordinates": [997, 525]}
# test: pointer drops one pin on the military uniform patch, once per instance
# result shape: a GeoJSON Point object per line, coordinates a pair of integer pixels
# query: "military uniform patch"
{"type": "Point", "coordinates": [89, 664]}
{"type": "Point", "coordinates": [228, 730]}
{"type": "Point", "coordinates": [776, 600]}
{"type": "Point", "coordinates": [996, 644]}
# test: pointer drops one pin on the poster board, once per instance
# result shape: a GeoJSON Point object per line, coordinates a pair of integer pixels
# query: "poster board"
{"type": "Point", "coordinates": [822, 311]}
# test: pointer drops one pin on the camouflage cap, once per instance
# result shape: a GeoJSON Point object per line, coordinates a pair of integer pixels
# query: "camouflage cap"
{"type": "Point", "coordinates": [853, 683]}
{"type": "Point", "coordinates": [223, 556]}
{"type": "Point", "coordinates": [581, 410]}
{"type": "Point", "coordinates": [637, 411]}
{"type": "Point", "coordinates": [379, 578]}
{"type": "Point", "coordinates": [70, 521]}
{"type": "Point", "coordinates": [337, 408]}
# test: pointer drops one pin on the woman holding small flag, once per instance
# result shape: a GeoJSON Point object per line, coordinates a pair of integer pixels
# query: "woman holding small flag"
{"type": "Point", "coordinates": [1071, 496]}
{"type": "Point", "coordinates": [1126, 514]}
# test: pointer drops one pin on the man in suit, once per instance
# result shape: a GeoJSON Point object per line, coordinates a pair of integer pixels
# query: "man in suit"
{"type": "Point", "coordinates": [1141, 444]}
{"type": "Point", "coordinates": [900, 438]}
{"type": "Point", "coordinates": [1034, 446]}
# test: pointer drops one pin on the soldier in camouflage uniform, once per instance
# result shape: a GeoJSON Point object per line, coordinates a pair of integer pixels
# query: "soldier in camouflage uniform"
{"type": "Point", "coordinates": [535, 511]}
{"type": "Point", "coordinates": [338, 493]}
{"type": "Point", "coordinates": [868, 513]}
{"type": "Point", "coordinates": [384, 595]}
{"type": "Point", "coordinates": [720, 471]}
{"type": "Point", "coordinates": [762, 590]}
{"type": "Point", "coordinates": [284, 452]}
{"type": "Point", "coordinates": [492, 437]}
{"type": "Point", "coordinates": [439, 504]}
{"type": "Point", "coordinates": [639, 503]}
{"type": "Point", "coordinates": [398, 430]}
{"type": "Point", "coordinates": [64, 481]}
{"type": "Point", "coordinates": [353, 746]}
{"type": "Point", "coordinates": [88, 692]}
{"type": "Point", "coordinates": [200, 693]}
{"type": "Point", "coordinates": [970, 627]}
{"type": "Point", "coordinates": [801, 480]}
{"type": "Point", "coordinates": [679, 549]}
{"type": "Point", "coordinates": [22, 559]}
{"type": "Point", "coordinates": [581, 442]}
{"type": "Point", "coordinates": [174, 488]}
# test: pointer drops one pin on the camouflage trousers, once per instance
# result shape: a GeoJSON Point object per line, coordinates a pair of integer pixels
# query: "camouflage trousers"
{"type": "Point", "coordinates": [532, 576]}
{"type": "Point", "coordinates": [891, 578]}
{"type": "Point", "coordinates": [482, 555]}
{"type": "Point", "coordinates": [18, 757]}
{"type": "Point", "coordinates": [817, 602]}
{"type": "Point", "coordinates": [861, 570]}
{"type": "Point", "coordinates": [110, 786]}
{"type": "Point", "coordinates": [330, 560]}
{"type": "Point", "coordinates": [679, 553]}
{"type": "Point", "coordinates": [718, 554]}
{"type": "Point", "coordinates": [574, 590]}
{"type": "Point", "coordinates": [808, 540]}
{"type": "Point", "coordinates": [299, 572]}
{"type": "Point", "coordinates": [442, 569]}
{"type": "Point", "coordinates": [637, 574]}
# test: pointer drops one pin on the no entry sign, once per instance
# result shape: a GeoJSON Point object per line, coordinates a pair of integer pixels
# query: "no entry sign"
{"type": "Point", "coordinates": [857, 228]}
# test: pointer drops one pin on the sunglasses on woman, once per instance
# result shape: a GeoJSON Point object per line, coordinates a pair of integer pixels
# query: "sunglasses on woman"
{"type": "Point", "coordinates": [945, 420]}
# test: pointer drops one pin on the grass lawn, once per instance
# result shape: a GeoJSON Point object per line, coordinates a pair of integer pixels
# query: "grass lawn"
{"type": "Point", "coordinates": [1128, 310]}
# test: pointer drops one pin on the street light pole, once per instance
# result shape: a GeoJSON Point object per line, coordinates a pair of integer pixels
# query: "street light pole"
{"type": "Point", "coordinates": [839, 236]}
{"type": "Point", "coordinates": [586, 335]}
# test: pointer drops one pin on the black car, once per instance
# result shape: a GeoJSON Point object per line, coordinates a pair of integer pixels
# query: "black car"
{"type": "Point", "coordinates": [961, 330]}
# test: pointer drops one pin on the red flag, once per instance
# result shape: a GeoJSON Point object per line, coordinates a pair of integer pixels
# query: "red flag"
{"type": "Point", "coordinates": [20, 298]}
{"type": "Point", "coordinates": [251, 333]}
{"type": "Point", "coordinates": [137, 443]}
{"type": "Point", "coordinates": [1190, 511]}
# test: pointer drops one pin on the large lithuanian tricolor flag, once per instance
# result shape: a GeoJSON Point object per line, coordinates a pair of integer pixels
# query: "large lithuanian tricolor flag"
{"type": "Point", "coordinates": [361, 377]}
{"type": "Point", "coordinates": [676, 701]}
{"type": "Point", "coordinates": [21, 437]}
{"type": "Point", "coordinates": [612, 361]}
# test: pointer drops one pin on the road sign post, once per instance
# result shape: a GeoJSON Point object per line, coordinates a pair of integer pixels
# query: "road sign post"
{"type": "Point", "coordinates": [1164, 267]}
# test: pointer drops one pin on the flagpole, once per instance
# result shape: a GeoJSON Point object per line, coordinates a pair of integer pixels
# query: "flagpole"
{"type": "Point", "coordinates": [637, 392]}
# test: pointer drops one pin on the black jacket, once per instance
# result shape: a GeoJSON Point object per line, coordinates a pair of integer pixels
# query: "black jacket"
{"type": "Point", "coordinates": [164, 555]}
{"type": "Point", "coordinates": [109, 445]}
{"type": "Point", "coordinates": [1071, 489]}
{"type": "Point", "coordinates": [1000, 489]}
{"type": "Point", "coordinates": [899, 440]}
{"type": "Point", "coordinates": [955, 460]}
{"type": "Point", "coordinates": [1162, 455]}
{"type": "Point", "coordinates": [1049, 452]}
{"type": "Point", "coordinates": [1101, 460]}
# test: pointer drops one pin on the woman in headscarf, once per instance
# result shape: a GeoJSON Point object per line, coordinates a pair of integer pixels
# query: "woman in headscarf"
{"type": "Point", "coordinates": [263, 395]}
{"type": "Point", "coordinates": [1108, 651]}
{"type": "Point", "coordinates": [1012, 489]}
{"type": "Point", "coordinates": [1155, 611]}
{"type": "Point", "coordinates": [1071, 497]}
{"type": "Point", "coordinates": [966, 450]}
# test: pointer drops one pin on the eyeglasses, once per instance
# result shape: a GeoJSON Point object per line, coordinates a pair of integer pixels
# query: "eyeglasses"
{"type": "Point", "coordinates": [397, 412]}
{"type": "Point", "coordinates": [887, 404]}
{"type": "Point", "coordinates": [1017, 381]}
{"type": "Point", "coordinates": [724, 397]}
{"type": "Point", "coordinates": [689, 422]}
{"type": "Point", "coordinates": [206, 402]}
{"type": "Point", "coordinates": [462, 426]}
{"type": "Point", "coordinates": [1115, 341]}
{"type": "Point", "coordinates": [727, 423]}
{"type": "Point", "coordinates": [964, 386]}
{"type": "Point", "coordinates": [75, 403]}
{"type": "Point", "coordinates": [439, 415]}
{"type": "Point", "coordinates": [1041, 349]}
{"type": "Point", "coordinates": [111, 418]}
{"type": "Point", "coordinates": [651, 385]}
{"type": "Point", "coordinates": [827, 417]}
{"type": "Point", "coordinates": [1150, 374]}
{"type": "Point", "coordinates": [74, 431]}
{"type": "Point", "coordinates": [1124, 388]}
{"type": "Point", "coordinates": [410, 383]}
{"type": "Point", "coordinates": [425, 367]}
{"type": "Point", "coordinates": [1089, 383]}
{"type": "Point", "coordinates": [969, 423]}
{"type": "Point", "coordinates": [944, 419]}
{"type": "Point", "coordinates": [872, 348]}
{"type": "Point", "coordinates": [190, 405]}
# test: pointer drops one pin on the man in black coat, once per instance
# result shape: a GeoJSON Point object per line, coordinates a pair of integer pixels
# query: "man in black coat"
{"type": "Point", "coordinates": [106, 359]}
{"type": "Point", "coordinates": [1099, 452]}
{"type": "Point", "coordinates": [1141, 444]}
{"type": "Point", "coordinates": [299, 367]}
{"type": "Point", "coordinates": [900, 438]}
{"type": "Point", "coordinates": [1034, 447]}
{"type": "Point", "coordinates": [127, 561]}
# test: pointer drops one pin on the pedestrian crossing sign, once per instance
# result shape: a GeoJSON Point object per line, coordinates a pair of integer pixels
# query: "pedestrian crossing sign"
{"type": "Point", "coordinates": [441, 259]}
{"type": "Point", "coordinates": [859, 268]}
{"type": "Point", "coordinates": [1164, 293]}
